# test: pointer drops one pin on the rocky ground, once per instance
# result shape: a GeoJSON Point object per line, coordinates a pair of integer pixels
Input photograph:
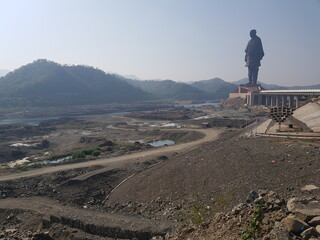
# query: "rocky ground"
{"type": "Point", "coordinates": [66, 136]}
{"type": "Point", "coordinates": [165, 114]}
{"type": "Point", "coordinates": [264, 216]}
{"type": "Point", "coordinates": [197, 190]}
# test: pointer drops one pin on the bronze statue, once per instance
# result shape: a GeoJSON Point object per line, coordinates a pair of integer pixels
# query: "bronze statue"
{"type": "Point", "coordinates": [254, 53]}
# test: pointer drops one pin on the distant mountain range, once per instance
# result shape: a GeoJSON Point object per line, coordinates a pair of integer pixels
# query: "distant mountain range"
{"type": "Point", "coordinates": [45, 83]}
{"type": "Point", "coordinates": [170, 90]}
{"type": "Point", "coordinates": [276, 87]}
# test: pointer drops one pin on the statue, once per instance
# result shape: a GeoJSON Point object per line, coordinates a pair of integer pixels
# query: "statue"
{"type": "Point", "coordinates": [254, 53]}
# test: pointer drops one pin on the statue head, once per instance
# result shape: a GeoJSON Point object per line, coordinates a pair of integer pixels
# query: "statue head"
{"type": "Point", "coordinates": [253, 33]}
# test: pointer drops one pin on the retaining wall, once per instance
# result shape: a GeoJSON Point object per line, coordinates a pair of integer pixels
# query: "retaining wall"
{"type": "Point", "coordinates": [310, 115]}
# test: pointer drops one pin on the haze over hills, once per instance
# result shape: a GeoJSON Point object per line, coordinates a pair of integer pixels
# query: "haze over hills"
{"type": "Point", "coordinates": [170, 90]}
{"type": "Point", "coordinates": [276, 87]}
{"type": "Point", "coordinates": [44, 83]}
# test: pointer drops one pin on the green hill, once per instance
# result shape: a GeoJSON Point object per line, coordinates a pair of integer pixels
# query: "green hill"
{"type": "Point", "coordinates": [45, 83]}
{"type": "Point", "coordinates": [216, 87]}
{"type": "Point", "coordinates": [170, 90]}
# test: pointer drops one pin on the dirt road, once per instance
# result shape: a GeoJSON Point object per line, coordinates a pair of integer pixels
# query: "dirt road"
{"type": "Point", "coordinates": [114, 162]}
{"type": "Point", "coordinates": [95, 222]}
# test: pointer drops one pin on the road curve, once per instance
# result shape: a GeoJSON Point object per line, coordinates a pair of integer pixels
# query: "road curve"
{"type": "Point", "coordinates": [115, 162]}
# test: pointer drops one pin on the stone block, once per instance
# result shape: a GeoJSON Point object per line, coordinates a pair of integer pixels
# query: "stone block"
{"type": "Point", "coordinates": [294, 225]}
{"type": "Point", "coordinates": [314, 221]}
{"type": "Point", "coordinates": [309, 207]}
{"type": "Point", "coordinates": [308, 233]}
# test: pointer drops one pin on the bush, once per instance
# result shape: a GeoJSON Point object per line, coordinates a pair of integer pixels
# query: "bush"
{"type": "Point", "coordinates": [96, 153]}
{"type": "Point", "coordinates": [88, 151]}
{"type": "Point", "coordinates": [78, 154]}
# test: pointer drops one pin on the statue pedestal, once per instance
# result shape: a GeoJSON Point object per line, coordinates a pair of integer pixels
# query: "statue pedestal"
{"type": "Point", "coordinates": [249, 87]}
{"type": "Point", "coordinates": [249, 92]}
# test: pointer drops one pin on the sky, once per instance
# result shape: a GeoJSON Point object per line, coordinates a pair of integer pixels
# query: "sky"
{"type": "Point", "coordinates": [181, 40]}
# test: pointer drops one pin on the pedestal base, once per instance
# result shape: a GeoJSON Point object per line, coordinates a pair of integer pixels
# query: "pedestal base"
{"type": "Point", "coordinates": [250, 87]}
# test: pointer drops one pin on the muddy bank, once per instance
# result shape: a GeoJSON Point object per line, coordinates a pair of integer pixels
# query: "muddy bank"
{"type": "Point", "coordinates": [81, 110]}
{"type": "Point", "coordinates": [58, 138]}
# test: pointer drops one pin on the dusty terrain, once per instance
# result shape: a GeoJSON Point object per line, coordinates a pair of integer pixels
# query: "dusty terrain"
{"type": "Point", "coordinates": [187, 183]}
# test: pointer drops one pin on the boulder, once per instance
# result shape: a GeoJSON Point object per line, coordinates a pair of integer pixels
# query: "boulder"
{"type": "Point", "coordinates": [309, 188]}
{"type": "Point", "coordinates": [253, 195]}
{"type": "Point", "coordinates": [302, 217]}
{"type": "Point", "coordinates": [314, 221]}
{"type": "Point", "coordinates": [310, 207]}
{"type": "Point", "coordinates": [294, 225]}
{"type": "Point", "coordinates": [278, 233]}
{"type": "Point", "coordinates": [310, 232]}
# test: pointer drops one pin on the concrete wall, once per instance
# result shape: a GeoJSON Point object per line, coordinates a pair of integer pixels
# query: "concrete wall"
{"type": "Point", "coordinates": [241, 95]}
{"type": "Point", "coordinates": [310, 115]}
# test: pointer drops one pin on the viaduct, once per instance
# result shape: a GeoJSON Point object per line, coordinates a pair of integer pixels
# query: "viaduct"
{"type": "Point", "coordinates": [256, 95]}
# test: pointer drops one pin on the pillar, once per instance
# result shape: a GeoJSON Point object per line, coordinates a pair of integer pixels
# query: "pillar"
{"type": "Point", "coordinates": [273, 100]}
{"type": "Point", "coordinates": [268, 99]}
{"type": "Point", "coordinates": [297, 102]}
{"type": "Point", "coordinates": [291, 102]}
{"type": "Point", "coordinates": [259, 99]}
{"type": "Point", "coordinates": [251, 99]}
{"type": "Point", "coordinates": [278, 100]}
{"type": "Point", "coordinates": [284, 101]}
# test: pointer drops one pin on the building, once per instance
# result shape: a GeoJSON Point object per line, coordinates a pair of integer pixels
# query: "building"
{"type": "Point", "coordinates": [256, 95]}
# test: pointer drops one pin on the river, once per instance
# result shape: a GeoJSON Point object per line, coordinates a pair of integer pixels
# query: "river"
{"type": "Point", "coordinates": [36, 121]}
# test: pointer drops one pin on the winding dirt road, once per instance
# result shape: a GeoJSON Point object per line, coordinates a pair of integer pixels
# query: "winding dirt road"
{"type": "Point", "coordinates": [95, 222]}
{"type": "Point", "coordinates": [115, 162]}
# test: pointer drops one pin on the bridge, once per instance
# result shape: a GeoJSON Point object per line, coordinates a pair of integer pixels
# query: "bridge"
{"type": "Point", "coordinates": [256, 95]}
{"type": "Point", "coordinates": [285, 98]}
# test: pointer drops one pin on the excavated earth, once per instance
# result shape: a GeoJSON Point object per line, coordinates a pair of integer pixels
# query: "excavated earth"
{"type": "Point", "coordinates": [160, 195]}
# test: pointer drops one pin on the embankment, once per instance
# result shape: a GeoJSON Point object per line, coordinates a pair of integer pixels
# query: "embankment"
{"type": "Point", "coordinates": [310, 115]}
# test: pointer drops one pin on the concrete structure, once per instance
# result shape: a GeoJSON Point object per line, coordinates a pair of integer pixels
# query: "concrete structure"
{"type": "Point", "coordinates": [310, 115]}
{"type": "Point", "coordinates": [256, 95]}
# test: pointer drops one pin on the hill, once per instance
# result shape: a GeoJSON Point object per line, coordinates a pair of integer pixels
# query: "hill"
{"type": "Point", "coordinates": [317, 86]}
{"type": "Point", "coordinates": [46, 83]}
{"type": "Point", "coordinates": [216, 87]}
{"type": "Point", "coordinates": [170, 90]}
{"type": "Point", "coordinates": [264, 85]}
{"type": "Point", "coordinates": [276, 87]}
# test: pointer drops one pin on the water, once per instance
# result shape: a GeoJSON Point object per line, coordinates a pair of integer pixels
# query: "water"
{"type": "Point", "coordinates": [36, 121]}
{"type": "Point", "coordinates": [27, 121]}
{"type": "Point", "coordinates": [20, 145]}
{"type": "Point", "coordinates": [47, 162]}
{"type": "Point", "coordinates": [161, 143]}
{"type": "Point", "coordinates": [198, 105]}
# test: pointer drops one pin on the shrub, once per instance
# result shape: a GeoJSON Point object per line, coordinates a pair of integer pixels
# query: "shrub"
{"type": "Point", "coordinates": [96, 153]}
{"type": "Point", "coordinates": [78, 154]}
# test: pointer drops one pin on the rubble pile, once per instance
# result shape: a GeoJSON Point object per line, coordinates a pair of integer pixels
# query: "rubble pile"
{"type": "Point", "coordinates": [264, 216]}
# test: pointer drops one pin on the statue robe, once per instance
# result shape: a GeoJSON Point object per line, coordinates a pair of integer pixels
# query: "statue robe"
{"type": "Point", "coordinates": [254, 52]}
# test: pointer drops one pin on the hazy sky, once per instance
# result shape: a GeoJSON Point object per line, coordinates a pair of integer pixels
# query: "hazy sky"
{"type": "Point", "coordinates": [182, 40]}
